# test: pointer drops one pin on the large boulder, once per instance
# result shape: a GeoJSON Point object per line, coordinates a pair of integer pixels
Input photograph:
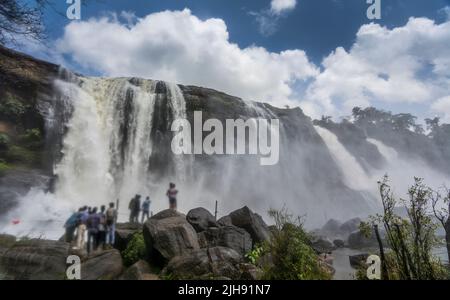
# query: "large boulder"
{"type": "Point", "coordinates": [357, 240]}
{"type": "Point", "coordinates": [225, 221]}
{"type": "Point", "coordinates": [124, 233]}
{"type": "Point", "coordinates": [201, 219]}
{"type": "Point", "coordinates": [35, 260]}
{"type": "Point", "coordinates": [139, 271]}
{"type": "Point", "coordinates": [229, 236]}
{"type": "Point", "coordinates": [252, 223]}
{"type": "Point", "coordinates": [105, 265]}
{"type": "Point", "coordinates": [322, 245]}
{"type": "Point", "coordinates": [359, 260]}
{"type": "Point", "coordinates": [218, 262]}
{"type": "Point", "coordinates": [350, 226]}
{"type": "Point", "coordinates": [169, 234]}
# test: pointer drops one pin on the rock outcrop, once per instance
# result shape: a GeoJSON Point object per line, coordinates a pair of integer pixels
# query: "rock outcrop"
{"type": "Point", "coordinates": [211, 263]}
{"type": "Point", "coordinates": [252, 223]}
{"type": "Point", "coordinates": [35, 260]}
{"type": "Point", "coordinates": [228, 236]}
{"type": "Point", "coordinates": [139, 271]}
{"type": "Point", "coordinates": [169, 234]}
{"type": "Point", "coordinates": [201, 219]}
{"type": "Point", "coordinates": [106, 265]}
{"type": "Point", "coordinates": [124, 233]}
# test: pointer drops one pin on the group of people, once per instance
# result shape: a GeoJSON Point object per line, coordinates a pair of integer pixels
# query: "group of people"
{"type": "Point", "coordinates": [100, 225]}
{"type": "Point", "coordinates": [135, 206]}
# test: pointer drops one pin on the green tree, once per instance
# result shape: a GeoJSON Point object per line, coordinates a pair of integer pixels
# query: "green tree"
{"type": "Point", "coordinates": [412, 239]}
{"type": "Point", "coordinates": [290, 252]}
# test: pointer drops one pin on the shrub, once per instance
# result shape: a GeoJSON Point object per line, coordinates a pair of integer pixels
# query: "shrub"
{"type": "Point", "coordinates": [135, 250]}
{"type": "Point", "coordinates": [290, 251]}
{"type": "Point", "coordinates": [411, 239]}
{"type": "Point", "coordinates": [11, 108]}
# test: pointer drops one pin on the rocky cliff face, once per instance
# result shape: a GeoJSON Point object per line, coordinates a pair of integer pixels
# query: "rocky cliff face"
{"type": "Point", "coordinates": [103, 139]}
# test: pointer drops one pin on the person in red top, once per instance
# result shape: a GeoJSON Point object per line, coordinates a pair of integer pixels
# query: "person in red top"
{"type": "Point", "coordinates": [172, 193]}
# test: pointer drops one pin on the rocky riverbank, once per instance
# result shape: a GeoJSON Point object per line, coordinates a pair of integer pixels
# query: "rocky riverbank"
{"type": "Point", "coordinates": [178, 246]}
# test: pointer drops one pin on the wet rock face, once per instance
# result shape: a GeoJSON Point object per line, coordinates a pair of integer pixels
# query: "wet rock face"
{"type": "Point", "coordinates": [206, 263]}
{"type": "Point", "coordinates": [35, 260]}
{"type": "Point", "coordinates": [168, 234]}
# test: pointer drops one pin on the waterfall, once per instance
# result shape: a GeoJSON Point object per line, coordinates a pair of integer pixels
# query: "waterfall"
{"type": "Point", "coordinates": [183, 165]}
{"type": "Point", "coordinates": [354, 175]}
{"type": "Point", "coordinates": [106, 151]}
{"type": "Point", "coordinates": [402, 169]}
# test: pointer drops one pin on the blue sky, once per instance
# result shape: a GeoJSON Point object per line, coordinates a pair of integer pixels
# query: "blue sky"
{"type": "Point", "coordinates": [316, 26]}
{"type": "Point", "coordinates": [323, 55]}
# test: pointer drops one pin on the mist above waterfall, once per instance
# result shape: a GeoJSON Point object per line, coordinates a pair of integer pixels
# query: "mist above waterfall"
{"type": "Point", "coordinates": [116, 142]}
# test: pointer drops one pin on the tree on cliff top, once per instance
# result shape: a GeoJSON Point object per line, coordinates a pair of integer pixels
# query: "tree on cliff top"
{"type": "Point", "coordinates": [19, 18]}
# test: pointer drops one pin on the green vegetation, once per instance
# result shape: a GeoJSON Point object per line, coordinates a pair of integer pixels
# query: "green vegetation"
{"type": "Point", "coordinates": [21, 155]}
{"type": "Point", "coordinates": [290, 252]}
{"type": "Point", "coordinates": [11, 108]}
{"type": "Point", "coordinates": [255, 254]}
{"type": "Point", "coordinates": [32, 139]}
{"type": "Point", "coordinates": [135, 250]}
{"type": "Point", "coordinates": [410, 239]}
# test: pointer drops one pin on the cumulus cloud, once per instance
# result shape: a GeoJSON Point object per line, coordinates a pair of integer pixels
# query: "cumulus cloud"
{"type": "Point", "coordinates": [407, 65]}
{"type": "Point", "coordinates": [179, 47]}
{"type": "Point", "coordinates": [280, 6]}
{"type": "Point", "coordinates": [404, 65]}
{"type": "Point", "coordinates": [442, 108]}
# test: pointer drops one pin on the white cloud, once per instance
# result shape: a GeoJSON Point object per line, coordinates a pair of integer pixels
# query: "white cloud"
{"type": "Point", "coordinates": [408, 65]}
{"type": "Point", "coordinates": [179, 47]}
{"type": "Point", "coordinates": [442, 108]}
{"type": "Point", "coordinates": [404, 65]}
{"type": "Point", "coordinates": [280, 6]}
{"type": "Point", "coordinates": [268, 19]}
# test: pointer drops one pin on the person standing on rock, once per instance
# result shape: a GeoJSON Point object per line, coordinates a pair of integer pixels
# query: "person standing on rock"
{"type": "Point", "coordinates": [131, 207]}
{"type": "Point", "coordinates": [101, 236]}
{"type": "Point", "coordinates": [137, 209]}
{"type": "Point", "coordinates": [81, 229]}
{"type": "Point", "coordinates": [111, 219]}
{"type": "Point", "coordinates": [146, 209]}
{"type": "Point", "coordinates": [93, 222]}
{"type": "Point", "coordinates": [71, 226]}
{"type": "Point", "coordinates": [172, 193]}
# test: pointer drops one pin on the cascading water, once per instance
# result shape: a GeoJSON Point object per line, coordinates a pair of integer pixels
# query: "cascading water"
{"type": "Point", "coordinates": [402, 169]}
{"type": "Point", "coordinates": [354, 175]}
{"type": "Point", "coordinates": [106, 151]}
